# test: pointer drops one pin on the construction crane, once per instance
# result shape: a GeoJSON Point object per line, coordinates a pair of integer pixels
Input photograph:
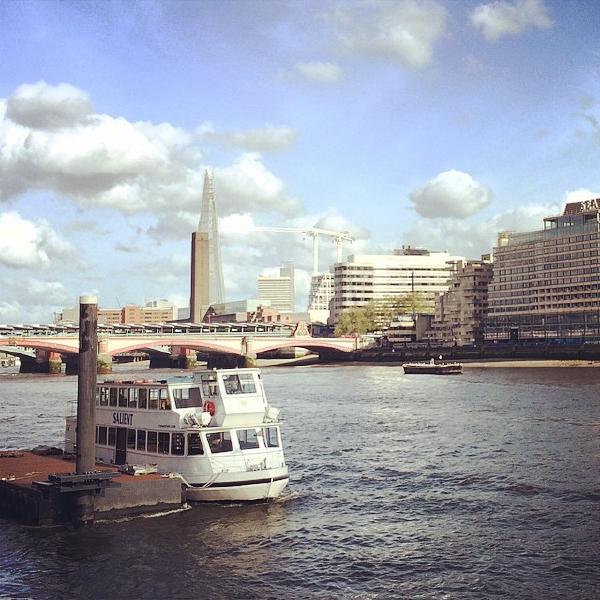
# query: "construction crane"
{"type": "Point", "coordinates": [315, 232]}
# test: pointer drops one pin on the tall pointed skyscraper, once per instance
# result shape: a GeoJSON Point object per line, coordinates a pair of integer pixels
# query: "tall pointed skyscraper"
{"type": "Point", "coordinates": [206, 283]}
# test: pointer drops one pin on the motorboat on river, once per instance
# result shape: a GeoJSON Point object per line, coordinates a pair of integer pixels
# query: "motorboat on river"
{"type": "Point", "coordinates": [433, 368]}
{"type": "Point", "coordinates": [215, 430]}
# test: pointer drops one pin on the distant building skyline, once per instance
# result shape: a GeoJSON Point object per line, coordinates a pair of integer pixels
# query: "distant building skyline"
{"type": "Point", "coordinates": [278, 290]}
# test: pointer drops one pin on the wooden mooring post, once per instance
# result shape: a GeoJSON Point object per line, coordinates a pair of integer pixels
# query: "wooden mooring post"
{"type": "Point", "coordinates": [86, 404]}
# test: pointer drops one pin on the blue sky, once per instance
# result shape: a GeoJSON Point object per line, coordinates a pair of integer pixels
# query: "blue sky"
{"type": "Point", "coordinates": [430, 123]}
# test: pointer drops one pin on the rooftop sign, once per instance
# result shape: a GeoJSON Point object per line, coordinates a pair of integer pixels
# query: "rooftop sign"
{"type": "Point", "coordinates": [575, 208]}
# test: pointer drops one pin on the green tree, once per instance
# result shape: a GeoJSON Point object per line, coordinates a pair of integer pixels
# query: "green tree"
{"type": "Point", "coordinates": [354, 321]}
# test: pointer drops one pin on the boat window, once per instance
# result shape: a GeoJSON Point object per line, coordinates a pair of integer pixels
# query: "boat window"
{"type": "Point", "coordinates": [187, 397]}
{"type": "Point", "coordinates": [247, 383]}
{"type": "Point", "coordinates": [247, 438]}
{"type": "Point", "coordinates": [123, 397]}
{"type": "Point", "coordinates": [219, 442]}
{"type": "Point", "coordinates": [133, 397]}
{"type": "Point", "coordinates": [165, 403]}
{"type": "Point", "coordinates": [96, 434]}
{"type": "Point", "coordinates": [112, 436]}
{"type": "Point", "coordinates": [232, 384]}
{"type": "Point", "coordinates": [163, 442]}
{"type": "Point", "coordinates": [271, 437]}
{"type": "Point", "coordinates": [103, 396]}
{"type": "Point", "coordinates": [239, 384]}
{"type": "Point", "coordinates": [143, 398]}
{"type": "Point", "coordinates": [153, 400]}
{"type": "Point", "coordinates": [210, 387]}
{"type": "Point", "coordinates": [113, 396]}
{"type": "Point", "coordinates": [178, 444]}
{"type": "Point", "coordinates": [152, 444]}
{"type": "Point", "coordinates": [131, 439]}
{"type": "Point", "coordinates": [141, 439]}
{"type": "Point", "coordinates": [195, 444]}
{"type": "Point", "coordinates": [102, 435]}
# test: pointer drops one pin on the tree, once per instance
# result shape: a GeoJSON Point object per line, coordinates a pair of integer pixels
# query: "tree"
{"type": "Point", "coordinates": [355, 321]}
{"type": "Point", "coordinates": [376, 315]}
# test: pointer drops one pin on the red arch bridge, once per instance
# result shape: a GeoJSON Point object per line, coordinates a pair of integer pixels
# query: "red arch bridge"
{"type": "Point", "coordinates": [46, 353]}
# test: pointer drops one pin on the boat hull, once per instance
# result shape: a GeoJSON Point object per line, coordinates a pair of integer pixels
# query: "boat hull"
{"type": "Point", "coordinates": [266, 488]}
{"type": "Point", "coordinates": [242, 493]}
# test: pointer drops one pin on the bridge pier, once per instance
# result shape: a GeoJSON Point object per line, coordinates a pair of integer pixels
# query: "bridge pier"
{"type": "Point", "coordinates": [45, 361]}
{"type": "Point", "coordinates": [248, 358]}
{"type": "Point", "coordinates": [104, 364]}
{"type": "Point", "coordinates": [217, 360]}
{"type": "Point", "coordinates": [183, 358]}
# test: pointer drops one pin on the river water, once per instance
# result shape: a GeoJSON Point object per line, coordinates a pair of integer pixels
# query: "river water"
{"type": "Point", "coordinates": [484, 485]}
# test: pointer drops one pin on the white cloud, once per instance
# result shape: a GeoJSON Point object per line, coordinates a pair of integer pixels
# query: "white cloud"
{"type": "Point", "coordinates": [322, 72]}
{"type": "Point", "coordinates": [32, 297]}
{"type": "Point", "coordinates": [43, 106]}
{"type": "Point", "coordinates": [450, 194]}
{"type": "Point", "coordinates": [501, 18]}
{"type": "Point", "coordinates": [263, 139]}
{"type": "Point", "coordinates": [27, 244]}
{"type": "Point", "coordinates": [404, 31]}
{"type": "Point", "coordinates": [580, 195]}
{"type": "Point", "coordinates": [472, 238]}
{"type": "Point", "coordinates": [133, 167]}
{"type": "Point", "coordinates": [248, 183]}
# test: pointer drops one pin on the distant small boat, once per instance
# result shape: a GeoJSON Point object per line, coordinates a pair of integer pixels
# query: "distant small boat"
{"type": "Point", "coordinates": [433, 368]}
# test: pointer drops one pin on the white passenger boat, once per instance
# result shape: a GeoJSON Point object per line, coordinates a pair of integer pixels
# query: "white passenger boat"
{"type": "Point", "coordinates": [215, 430]}
{"type": "Point", "coordinates": [433, 368]}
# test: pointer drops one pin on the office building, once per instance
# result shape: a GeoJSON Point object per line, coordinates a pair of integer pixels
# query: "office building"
{"type": "Point", "coordinates": [460, 312]}
{"type": "Point", "coordinates": [320, 295]}
{"type": "Point", "coordinates": [363, 278]}
{"type": "Point", "coordinates": [278, 290]}
{"type": "Point", "coordinates": [546, 283]}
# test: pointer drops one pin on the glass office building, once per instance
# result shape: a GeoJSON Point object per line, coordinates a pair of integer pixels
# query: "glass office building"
{"type": "Point", "coordinates": [546, 283]}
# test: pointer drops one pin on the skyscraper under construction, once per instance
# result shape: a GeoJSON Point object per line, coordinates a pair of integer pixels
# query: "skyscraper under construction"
{"type": "Point", "coordinates": [206, 282]}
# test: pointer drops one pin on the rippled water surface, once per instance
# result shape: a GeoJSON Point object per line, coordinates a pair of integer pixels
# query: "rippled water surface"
{"type": "Point", "coordinates": [484, 485]}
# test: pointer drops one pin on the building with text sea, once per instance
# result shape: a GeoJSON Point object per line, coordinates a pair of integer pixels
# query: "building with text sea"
{"type": "Point", "coordinates": [546, 283]}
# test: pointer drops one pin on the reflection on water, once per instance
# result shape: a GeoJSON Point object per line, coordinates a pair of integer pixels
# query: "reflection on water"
{"type": "Point", "coordinates": [478, 486]}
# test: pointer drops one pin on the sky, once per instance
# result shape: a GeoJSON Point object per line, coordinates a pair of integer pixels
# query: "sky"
{"type": "Point", "coordinates": [425, 122]}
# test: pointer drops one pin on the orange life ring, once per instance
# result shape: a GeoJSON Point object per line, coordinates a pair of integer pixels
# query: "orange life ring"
{"type": "Point", "coordinates": [209, 407]}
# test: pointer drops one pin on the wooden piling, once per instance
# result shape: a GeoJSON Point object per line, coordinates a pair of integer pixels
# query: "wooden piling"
{"type": "Point", "coordinates": [86, 403]}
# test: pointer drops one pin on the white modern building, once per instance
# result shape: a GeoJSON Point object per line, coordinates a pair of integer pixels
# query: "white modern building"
{"type": "Point", "coordinates": [367, 277]}
{"type": "Point", "coordinates": [320, 295]}
{"type": "Point", "coordinates": [278, 290]}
